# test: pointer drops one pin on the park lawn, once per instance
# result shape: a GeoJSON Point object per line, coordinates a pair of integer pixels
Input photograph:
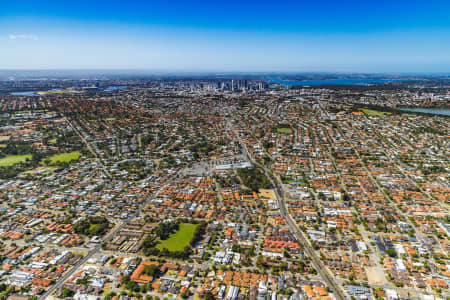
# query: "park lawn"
{"type": "Point", "coordinates": [65, 157]}
{"type": "Point", "coordinates": [96, 229]}
{"type": "Point", "coordinates": [179, 240]}
{"type": "Point", "coordinates": [371, 112]}
{"type": "Point", "coordinates": [10, 160]}
{"type": "Point", "coordinates": [284, 130]}
{"type": "Point", "coordinates": [55, 92]}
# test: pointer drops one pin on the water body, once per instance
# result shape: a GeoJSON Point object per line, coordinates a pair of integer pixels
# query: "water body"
{"type": "Point", "coordinates": [31, 93]}
{"type": "Point", "coordinates": [35, 93]}
{"type": "Point", "coordinates": [115, 88]}
{"type": "Point", "coordinates": [340, 81]}
{"type": "Point", "coordinates": [436, 111]}
{"type": "Point", "coordinates": [27, 94]}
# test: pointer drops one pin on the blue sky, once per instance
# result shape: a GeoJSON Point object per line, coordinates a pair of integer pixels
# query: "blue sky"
{"type": "Point", "coordinates": [295, 36]}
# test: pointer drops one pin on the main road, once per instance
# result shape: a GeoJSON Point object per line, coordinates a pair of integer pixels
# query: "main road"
{"type": "Point", "coordinates": [279, 193]}
{"type": "Point", "coordinates": [93, 148]}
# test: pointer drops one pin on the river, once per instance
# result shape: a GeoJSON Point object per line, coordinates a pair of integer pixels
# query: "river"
{"type": "Point", "coordinates": [338, 81]}
{"type": "Point", "coordinates": [35, 93]}
{"type": "Point", "coordinates": [436, 111]}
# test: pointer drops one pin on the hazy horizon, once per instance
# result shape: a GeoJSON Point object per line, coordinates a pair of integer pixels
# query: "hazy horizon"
{"type": "Point", "coordinates": [92, 73]}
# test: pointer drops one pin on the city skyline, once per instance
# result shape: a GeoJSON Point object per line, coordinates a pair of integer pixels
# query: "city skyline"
{"type": "Point", "coordinates": [262, 36]}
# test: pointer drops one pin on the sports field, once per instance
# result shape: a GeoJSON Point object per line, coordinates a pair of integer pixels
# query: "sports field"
{"type": "Point", "coordinates": [10, 160]}
{"type": "Point", "coordinates": [65, 157]}
{"type": "Point", "coordinates": [371, 112]}
{"type": "Point", "coordinates": [179, 240]}
{"type": "Point", "coordinates": [284, 130]}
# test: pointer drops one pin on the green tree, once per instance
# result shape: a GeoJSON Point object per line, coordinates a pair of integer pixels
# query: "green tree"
{"type": "Point", "coordinates": [66, 293]}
